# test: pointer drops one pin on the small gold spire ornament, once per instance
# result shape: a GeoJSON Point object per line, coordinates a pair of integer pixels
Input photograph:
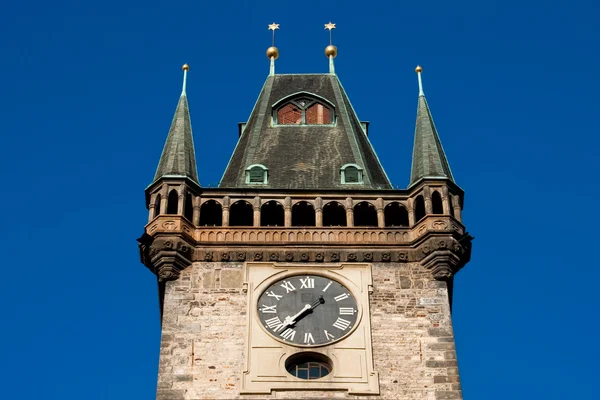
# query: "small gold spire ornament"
{"type": "Point", "coordinates": [273, 52]}
{"type": "Point", "coordinates": [185, 67]}
{"type": "Point", "coordinates": [418, 69]}
{"type": "Point", "coordinates": [331, 50]}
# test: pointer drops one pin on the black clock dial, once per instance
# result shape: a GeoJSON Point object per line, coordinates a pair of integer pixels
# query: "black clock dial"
{"type": "Point", "coordinates": [307, 310]}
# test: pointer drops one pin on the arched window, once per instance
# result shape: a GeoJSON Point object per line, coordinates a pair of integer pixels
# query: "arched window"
{"type": "Point", "coordinates": [436, 203]}
{"type": "Point", "coordinates": [352, 174]}
{"type": "Point", "coordinates": [303, 214]}
{"type": "Point", "coordinates": [365, 214]}
{"type": "Point", "coordinates": [211, 214]}
{"type": "Point", "coordinates": [157, 205]}
{"type": "Point", "coordinates": [419, 208]}
{"type": "Point", "coordinates": [304, 111]}
{"type": "Point", "coordinates": [257, 174]}
{"type": "Point", "coordinates": [188, 207]}
{"type": "Point", "coordinates": [271, 214]}
{"type": "Point", "coordinates": [241, 214]}
{"type": "Point", "coordinates": [334, 214]}
{"type": "Point", "coordinates": [173, 202]}
{"type": "Point", "coordinates": [395, 215]}
{"type": "Point", "coordinates": [317, 114]}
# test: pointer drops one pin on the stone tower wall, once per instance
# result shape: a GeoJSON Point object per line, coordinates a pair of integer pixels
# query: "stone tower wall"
{"type": "Point", "coordinates": [204, 329]}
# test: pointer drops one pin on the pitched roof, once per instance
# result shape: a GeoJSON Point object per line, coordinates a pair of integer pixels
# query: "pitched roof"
{"type": "Point", "coordinates": [304, 156]}
{"type": "Point", "coordinates": [429, 159]}
{"type": "Point", "coordinates": [178, 157]}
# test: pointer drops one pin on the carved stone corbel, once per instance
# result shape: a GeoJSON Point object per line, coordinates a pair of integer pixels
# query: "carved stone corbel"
{"type": "Point", "coordinates": [165, 257]}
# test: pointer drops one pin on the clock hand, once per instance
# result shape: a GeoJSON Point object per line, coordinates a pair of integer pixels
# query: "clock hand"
{"type": "Point", "coordinates": [302, 313]}
{"type": "Point", "coordinates": [291, 320]}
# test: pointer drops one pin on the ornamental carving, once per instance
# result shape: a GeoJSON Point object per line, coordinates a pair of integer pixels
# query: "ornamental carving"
{"type": "Point", "coordinates": [241, 256]}
{"type": "Point", "coordinates": [225, 256]}
{"type": "Point", "coordinates": [289, 256]}
{"type": "Point", "coordinates": [170, 225]}
{"type": "Point", "coordinates": [385, 257]}
{"type": "Point", "coordinates": [402, 256]}
{"type": "Point", "coordinates": [274, 256]}
{"type": "Point", "coordinates": [208, 256]}
{"type": "Point", "coordinates": [368, 256]}
{"type": "Point", "coordinates": [335, 256]}
{"type": "Point", "coordinates": [319, 257]}
{"type": "Point", "coordinates": [258, 256]}
{"type": "Point", "coordinates": [304, 257]}
{"type": "Point", "coordinates": [351, 256]}
{"type": "Point", "coordinates": [439, 225]}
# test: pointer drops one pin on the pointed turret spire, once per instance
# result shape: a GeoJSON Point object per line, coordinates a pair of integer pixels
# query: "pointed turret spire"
{"type": "Point", "coordinates": [178, 157]}
{"type": "Point", "coordinates": [429, 159]}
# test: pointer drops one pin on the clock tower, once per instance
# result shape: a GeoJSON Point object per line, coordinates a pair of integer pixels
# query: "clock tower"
{"type": "Point", "coordinates": [305, 274]}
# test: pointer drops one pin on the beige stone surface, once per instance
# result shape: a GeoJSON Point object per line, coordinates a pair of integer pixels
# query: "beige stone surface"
{"type": "Point", "coordinates": [203, 348]}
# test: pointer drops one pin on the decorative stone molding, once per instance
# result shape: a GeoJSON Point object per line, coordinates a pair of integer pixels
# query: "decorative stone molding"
{"type": "Point", "coordinates": [446, 256]}
{"type": "Point", "coordinates": [165, 257]}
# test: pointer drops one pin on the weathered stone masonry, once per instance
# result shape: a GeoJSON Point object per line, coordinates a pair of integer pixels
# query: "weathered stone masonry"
{"type": "Point", "coordinates": [202, 348]}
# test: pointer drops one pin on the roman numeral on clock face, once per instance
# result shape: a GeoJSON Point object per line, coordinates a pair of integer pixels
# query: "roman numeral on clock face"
{"type": "Point", "coordinates": [342, 324]}
{"type": "Point", "coordinates": [277, 296]}
{"type": "Point", "coordinates": [328, 335]}
{"type": "Point", "coordinates": [341, 297]}
{"type": "Point", "coordinates": [308, 283]}
{"type": "Point", "coordinates": [274, 323]}
{"type": "Point", "coordinates": [287, 285]}
{"type": "Point", "coordinates": [308, 338]}
{"type": "Point", "coordinates": [288, 334]}
{"type": "Point", "coordinates": [345, 311]}
{"type": "Point", "coordinates": [270, 309]}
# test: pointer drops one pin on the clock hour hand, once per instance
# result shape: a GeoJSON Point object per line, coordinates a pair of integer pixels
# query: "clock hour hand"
{"type": "Point", "coordinates": [292, 320]}
{"type": "Point", "coordinates": [307, 307]}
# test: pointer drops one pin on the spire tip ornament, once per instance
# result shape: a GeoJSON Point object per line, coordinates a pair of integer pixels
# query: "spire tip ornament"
{"type": "Point", "coordinates": [331, 51]}
{"type": "Point", "coordinates": [273, 52]}
{"type": "Point", "coordinates": [185, 68]}
{"type": "Point", "coordinates": [418, 70]}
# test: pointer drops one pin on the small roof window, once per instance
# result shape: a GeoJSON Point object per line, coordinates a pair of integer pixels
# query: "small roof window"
{"type": "Point", "coordinates": [351, 174]}
{"type": "Point", "coordinates": [303, 111]}
{"type": "Point", "coordinates": [257, 174]}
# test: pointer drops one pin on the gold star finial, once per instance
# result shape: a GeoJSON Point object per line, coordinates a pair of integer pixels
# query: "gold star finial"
{"type": "Point", "coordinates": [330, 27]}
{"type": "Point", "coordinates": [273, 27]}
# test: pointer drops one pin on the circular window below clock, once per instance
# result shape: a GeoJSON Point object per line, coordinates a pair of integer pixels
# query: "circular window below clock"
{"type": "Point", "coordinates": [308, 365]}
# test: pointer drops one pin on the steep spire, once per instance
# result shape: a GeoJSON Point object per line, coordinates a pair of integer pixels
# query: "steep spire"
{"type": "Point", "coordinates": [429, 159]}
{"type": "Point", "coordinates": [178, 158]}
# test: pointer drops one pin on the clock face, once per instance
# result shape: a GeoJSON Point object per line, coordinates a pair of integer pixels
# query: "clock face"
{"type": "Point", "coordinates": [307, 310]}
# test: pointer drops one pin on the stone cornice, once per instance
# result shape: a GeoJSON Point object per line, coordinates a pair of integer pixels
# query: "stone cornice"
{"type": "Point", "coordinates": [170, 244]}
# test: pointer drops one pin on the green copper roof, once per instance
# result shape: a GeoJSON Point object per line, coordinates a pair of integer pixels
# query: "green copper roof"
{"type": "Point", "coordinates": [429, 159]}
{"type": "Point", "coordinates": [178, 157]}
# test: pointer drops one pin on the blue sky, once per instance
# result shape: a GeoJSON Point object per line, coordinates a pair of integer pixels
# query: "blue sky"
{"type": "Point", "coordinates": [87, 93]}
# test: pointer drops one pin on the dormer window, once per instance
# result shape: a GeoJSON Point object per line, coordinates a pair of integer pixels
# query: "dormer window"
{"type": "Point", "coordinates": [303, 111]}
{"type": "Point", "coordinates": [352, 174]}
{"type": "Point", "coordinates": [257, 174]}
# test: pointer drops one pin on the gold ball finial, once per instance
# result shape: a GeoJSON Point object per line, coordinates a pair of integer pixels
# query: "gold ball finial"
{"type": "Point", "coordinates": [418, 69]}
{"type": "Point", "coordinates": [272, 52]}
{"type": "Point", "coordinates": [331, 51]}
{"type": "Point", "coordinates": [185, 67]}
